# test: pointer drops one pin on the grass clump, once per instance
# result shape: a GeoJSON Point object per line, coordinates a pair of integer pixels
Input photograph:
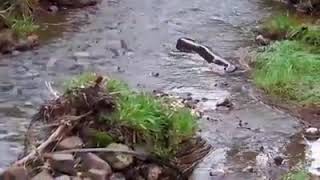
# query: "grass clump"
{"type": "Point", "coordinates": [290, 69]}
{"type": "Point", "coordinates": [23, 26]}
{"type": "Point", "coordinates": [297, 175]}
{"type": "Point", "coordinates": [157, 124]}
{"type": "Point", "coordinates": [18, 15]}
{"type": "Point", "coordinates": [160, 125]}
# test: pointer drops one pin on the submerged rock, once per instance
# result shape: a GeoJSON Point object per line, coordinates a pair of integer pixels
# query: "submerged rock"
{"type": "Point", "coordinates": [118, 161]}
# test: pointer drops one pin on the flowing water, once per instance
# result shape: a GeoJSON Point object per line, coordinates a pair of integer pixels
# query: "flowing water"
{"type": "Point", "coordinates": [130, 40]}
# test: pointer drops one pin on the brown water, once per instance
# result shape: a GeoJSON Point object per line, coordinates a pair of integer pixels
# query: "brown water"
{"type": "Point", "coordinates": [139, 38]}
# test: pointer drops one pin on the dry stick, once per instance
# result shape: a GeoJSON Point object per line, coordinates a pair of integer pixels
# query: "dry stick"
{"type": "Point", "coordinates": [53, 137]}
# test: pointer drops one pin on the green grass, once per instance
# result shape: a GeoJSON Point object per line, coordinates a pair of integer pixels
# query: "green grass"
{"type": "Point", "coordinates": [18, 15]}
{"type": "Point", "coordinates": [279, 26]}
{"type": "Point", "coordinates": [159, 125]}
{"type": "Point", "coordinates": [297, 175]}
{"type": "Point", "coordinates": [23, 26]}
{"type": "Point", "coordinates": [290, 69]}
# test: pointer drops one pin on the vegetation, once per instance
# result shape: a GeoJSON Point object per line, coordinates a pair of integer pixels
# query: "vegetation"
{"type": "Point", "coordinates": [290, 68]}
{"type": "Point", "coordinates": [297, 175]}
{"type": "Point", "coordinates": [158, 124]}
{"type": "Point", "coordinates": [278, 27]}
{"type": "Point", "coordinates": [17, 14]}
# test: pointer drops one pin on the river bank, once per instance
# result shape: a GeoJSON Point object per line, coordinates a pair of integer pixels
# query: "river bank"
{"type": "Point", "coordinates": [285, 66]}
{"type": "Point", "coordinates": [19, 25]}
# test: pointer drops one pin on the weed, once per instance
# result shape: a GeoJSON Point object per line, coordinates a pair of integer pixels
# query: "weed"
{"type": "Point", "coordinates": [290, 69]}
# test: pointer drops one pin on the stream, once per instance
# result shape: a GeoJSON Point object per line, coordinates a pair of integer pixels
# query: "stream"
{"type": "Point", "coordinates": [131, 40]}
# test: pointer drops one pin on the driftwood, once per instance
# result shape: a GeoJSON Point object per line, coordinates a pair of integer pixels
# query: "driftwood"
{"type": "Point", "coordinates": [189, 45]}
{"type": "Point", "coordinates": [68, 123]}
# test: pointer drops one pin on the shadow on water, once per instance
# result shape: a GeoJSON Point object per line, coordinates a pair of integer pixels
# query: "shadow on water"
{"type": "Point", "coordinates": [130, 40]}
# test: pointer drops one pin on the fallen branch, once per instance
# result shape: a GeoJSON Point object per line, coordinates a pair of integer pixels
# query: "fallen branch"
{"type": "Point", "coordinates": [69, 122]}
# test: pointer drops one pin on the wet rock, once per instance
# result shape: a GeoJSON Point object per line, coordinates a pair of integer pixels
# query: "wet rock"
{"type": "Point", "coordinates": [226, 102]}
{"type": "Point", "coordinates": [64, 163]}
{"type": "Point", "coordinates": [16, 173]}
{"type": "Point", "coordinates": [43, 175]}
{"type": "Point", "coordinates": [118, 161]}
{"type": "Point", "coordinates": [72, 142]}
{"type": "Point", "coordinates": [312, 134]}
{"type": "Point", "coordinates": [8, 41]}
{"type": "Point", "coordinates": [53, 9]}
{"type": "Point", "coordinates": [97, 174]}
{"type": "Point", "coordinates": [117, 176]}
{"type": "Point", "coordinates": [90, 160]}
{"type": "Point", "coordinates": [262, 40]}
{"type": "Point", "coordinates": [64, 177]}
{"type": "Point", "coordinates": [278, 160]}
{"type": "Point", "coordinates": [155, 74]}
{"type": "Point", "coordinates": [76, 3]}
